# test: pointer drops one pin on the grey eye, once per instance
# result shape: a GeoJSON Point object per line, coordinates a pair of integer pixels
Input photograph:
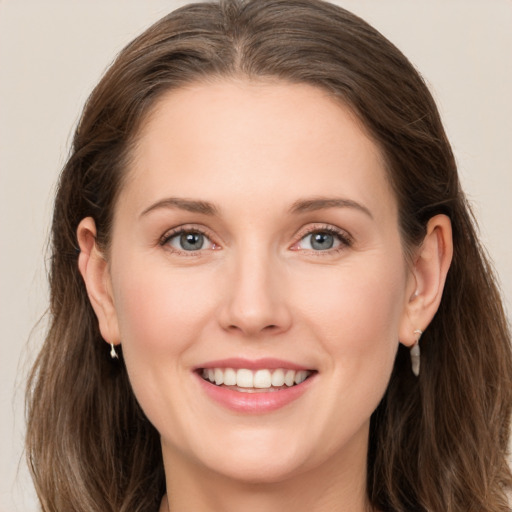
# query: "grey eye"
{"type": "Point", "coordinates": [189, 241]}
{"type": "Point", "coordinates": [321, 241]}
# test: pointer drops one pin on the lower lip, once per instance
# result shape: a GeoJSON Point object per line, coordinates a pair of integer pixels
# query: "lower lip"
{"type": "Point", "coordinates": [254, 402]}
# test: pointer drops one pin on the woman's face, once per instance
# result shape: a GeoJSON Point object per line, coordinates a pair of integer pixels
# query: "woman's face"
{"type": "Point", "coordinates": [256, 242]}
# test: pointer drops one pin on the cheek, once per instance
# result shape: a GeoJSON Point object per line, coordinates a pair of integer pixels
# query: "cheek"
{"type": "Point", "coordinates": [355, 320]}
{"type": "Point", "coordinates": [356, 313]}
{"type": "Point", "coordinates": [158, 310]}
{"type": "Point", "coordinates": [161, 315]}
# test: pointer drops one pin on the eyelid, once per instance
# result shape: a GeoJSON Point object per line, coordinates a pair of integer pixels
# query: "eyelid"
{"type": "Point", "coordinates": [187, 228]}
{"type": "Point", "coordinates": [343, 236]}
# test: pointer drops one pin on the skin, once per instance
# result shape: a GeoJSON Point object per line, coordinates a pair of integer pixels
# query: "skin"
{"type": "Point", "coordinates": [257, 288]}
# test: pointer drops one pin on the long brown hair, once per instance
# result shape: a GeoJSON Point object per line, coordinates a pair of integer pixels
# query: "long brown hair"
{"type": "Point", "coordinates": [437, 443]}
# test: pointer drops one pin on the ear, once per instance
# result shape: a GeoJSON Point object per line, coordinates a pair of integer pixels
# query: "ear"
{"type": "Point", "coordinates": [428, 276]}
{"type": "Point", "coordinates": [95, 272]}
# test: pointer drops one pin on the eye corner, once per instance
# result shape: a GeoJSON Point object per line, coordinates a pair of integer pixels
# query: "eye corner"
{"type": "Point", "coordinates": [188, 240]}
{"type": "Point", "coordinates": [337, 240]}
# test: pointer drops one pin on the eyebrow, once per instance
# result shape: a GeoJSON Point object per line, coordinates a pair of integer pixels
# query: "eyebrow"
{"type": "Point", "coordinates": [300, 206]}
{"type": "Point", "coordinates": [189, 205]}
{"type": "Point", "coordinates": [321, 203]}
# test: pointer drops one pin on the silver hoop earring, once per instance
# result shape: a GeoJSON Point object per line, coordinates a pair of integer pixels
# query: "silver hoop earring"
{"type": "Point", "coordinates": [113, 353]}
{"type": "Point", "coordinates": [416, 353]}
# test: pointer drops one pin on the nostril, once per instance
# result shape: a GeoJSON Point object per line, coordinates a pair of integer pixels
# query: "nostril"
{"type": "Point", "coordinates": [270, 327]}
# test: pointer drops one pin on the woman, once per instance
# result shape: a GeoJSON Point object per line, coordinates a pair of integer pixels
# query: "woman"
{"type": "Point", "coordinates": [267, 291]}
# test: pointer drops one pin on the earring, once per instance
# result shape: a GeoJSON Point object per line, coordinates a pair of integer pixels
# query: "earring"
{"type": "Point", "coordinates": [113, 353]}
{"type": "Point", "coordinates": [415, 353]}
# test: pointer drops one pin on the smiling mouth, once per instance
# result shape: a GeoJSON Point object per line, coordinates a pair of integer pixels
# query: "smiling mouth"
{"type": "Point", "coordinates": [255, 381]}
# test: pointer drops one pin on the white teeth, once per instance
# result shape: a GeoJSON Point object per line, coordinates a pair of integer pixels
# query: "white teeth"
{"type": "Point", "coordinates": [289, 378]}
{"type": "Point", "coordinates": [229, 377]}
{"type": "Point", "coordinates": [259, 379]}
{"type": "Point", "coordinates": [300, 376]}
{"type": "Point", "coordinates": [219, 376]}
{"type": "Point", "coordinates": [244, 378]}
{"type": "Point", "coordinates": [262, 379]}
{"type": "Point", "coordinates": [278, 378]}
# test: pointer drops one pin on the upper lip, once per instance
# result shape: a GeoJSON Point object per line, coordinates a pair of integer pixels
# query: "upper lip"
{"type": "Point", "coordinates": [269, 363]}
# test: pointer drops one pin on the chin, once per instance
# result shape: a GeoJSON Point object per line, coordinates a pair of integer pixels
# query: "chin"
{"type": "Point", "coordinates": [259, 471]}
{"type": "Point", "coordinates": [248, 455]}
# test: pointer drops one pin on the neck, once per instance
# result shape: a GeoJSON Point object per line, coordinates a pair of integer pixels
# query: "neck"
{"type": "Point", "coordinates": [330, 487]}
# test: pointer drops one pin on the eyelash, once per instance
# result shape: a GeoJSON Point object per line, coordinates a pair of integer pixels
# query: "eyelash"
{"type": "Point", "coordinates": [342, 236]}
{"type": "Point", "coordinates": [183, 230]}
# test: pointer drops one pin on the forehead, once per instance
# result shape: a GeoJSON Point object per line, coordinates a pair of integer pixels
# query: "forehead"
{"type": "Point", "coordinates": [234, 141]}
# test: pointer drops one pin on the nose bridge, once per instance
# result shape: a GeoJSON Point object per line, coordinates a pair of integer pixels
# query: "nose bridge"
{"type": "Point", "coordinates": [255, 300]}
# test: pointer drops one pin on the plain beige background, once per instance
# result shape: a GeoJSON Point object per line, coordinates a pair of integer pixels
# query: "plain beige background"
{"type": "Point", "coordinates": [53, 52]}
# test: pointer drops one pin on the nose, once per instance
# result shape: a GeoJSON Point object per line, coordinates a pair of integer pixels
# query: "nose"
{"type": "Point", "coordinates": [255, 298]}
